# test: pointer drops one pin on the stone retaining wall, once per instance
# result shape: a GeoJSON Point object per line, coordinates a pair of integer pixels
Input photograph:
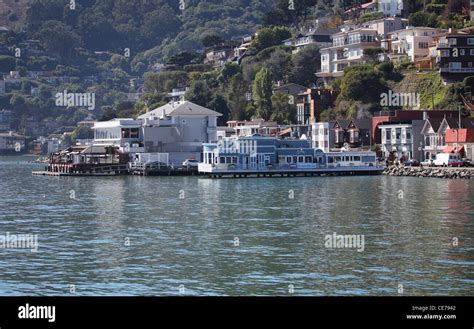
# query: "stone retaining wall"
{"type": "Point", "coordinates": [438, 172]}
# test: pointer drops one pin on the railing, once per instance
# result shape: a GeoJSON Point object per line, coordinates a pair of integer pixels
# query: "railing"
{"type": "Point", "coordinates": [457, 70]}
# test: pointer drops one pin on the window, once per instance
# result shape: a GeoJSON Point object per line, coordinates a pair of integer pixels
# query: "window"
{"type": "Point", "coordinates": [388, 134]}
{"type": "Point", "coordinates": [134, 133]}
{"type": "Point", "coordinates": [423, 45]}
{"type": "Point", "coordinates": [452, 41]}
{"type": "Point", "coordinates": [445, 53]}
{"type": "Point", "coordinates": [472, 52]}
{"type": "Point", "coordinates": [470, 41]}
{"type": "Point", "coordinates": [408, 134]}
{"type": "Point", "coordinates": [398, 133]}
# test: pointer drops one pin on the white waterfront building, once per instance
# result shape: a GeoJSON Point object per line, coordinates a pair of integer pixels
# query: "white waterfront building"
{"type": "Point", "coordinates": [320, 136]}
{"type": "Point", "coordinates": [125, 133]}
{"type": "Point", "coordinates": [177, 128]}
{"type": "Point", "coordinates": [397, 139]}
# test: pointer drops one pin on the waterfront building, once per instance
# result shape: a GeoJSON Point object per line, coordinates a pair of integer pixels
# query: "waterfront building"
{"type": "Point", "coordinates": [11, 142]}
{"type": "Point", "coordinates": [123, 133]}
{"type": "Point", "coordinates": [405, 116]}
{"type": "Point", "coordinates": [320, 136]}
{"type": "Point", "coordinates": [179, 128]}
{"type": "Point", "coordinates": [268, 155]}
{"type": "Point", "coordinates": [434, 134]}
{"type": "Point", "coordinates": [397, 141]}
{"type": "Point", "coordinates": [352, 133]}
{"type": "Point", "coordinates": [461, 141]}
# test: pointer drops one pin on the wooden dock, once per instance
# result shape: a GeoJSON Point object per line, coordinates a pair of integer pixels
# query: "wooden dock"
{"type": "Point", "coordinates": [63, 174]}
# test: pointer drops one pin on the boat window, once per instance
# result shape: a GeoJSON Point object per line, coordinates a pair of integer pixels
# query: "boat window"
{"type": "Point", "coordinates": [222, 160]}
{"type": "Point", "coordinates": [330, 160]}
{"type": "Point", "coordinates": [300, 159]}
{"type": "Point", "coordinates": [308, 159]}
{"type": "Point", "coordinates": [356, 158]}
{"type": "Point", "coordinates": [295, 159]}
{"type": "Point", "coordinates": [288, 159]}
{"type": "Point", "coordinates": [337, 159]}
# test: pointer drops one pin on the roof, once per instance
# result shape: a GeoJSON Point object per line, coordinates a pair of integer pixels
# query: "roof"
{"type": "Point", "coordinates": [454, 149]}
{"type": "Point", "coordinates": [435, 124]}
{"type": "Point", "coordinates": [184, 108]}
{"type": "Point", "coordinates": [460, 135]}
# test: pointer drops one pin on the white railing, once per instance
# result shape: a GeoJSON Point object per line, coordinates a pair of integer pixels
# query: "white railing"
{"type": "Point", "coordinates": [457, 70]}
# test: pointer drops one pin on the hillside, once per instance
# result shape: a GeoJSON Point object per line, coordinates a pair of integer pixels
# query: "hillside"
{"type": "Point", "coordinates": [13, 12]}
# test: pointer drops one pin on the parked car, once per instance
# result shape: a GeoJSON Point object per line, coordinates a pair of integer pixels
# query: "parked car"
{"type": "Point", "coordinates": [467, 163]}
{"type": "Point", "coordinates": [190, 163]}
{"type": "Point", "coordinates": [426, 163]}
{"type": "Point", "coordinates": [412, 163]}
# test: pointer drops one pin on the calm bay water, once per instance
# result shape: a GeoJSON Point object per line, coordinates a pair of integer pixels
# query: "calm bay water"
{"type": "Point", "coordinates": [234, 236]}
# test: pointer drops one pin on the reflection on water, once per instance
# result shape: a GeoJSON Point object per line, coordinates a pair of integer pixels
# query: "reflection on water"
{"type": "Point", "coordinates": [151, 235]}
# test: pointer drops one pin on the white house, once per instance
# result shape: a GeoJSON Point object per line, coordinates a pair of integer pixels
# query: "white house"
{"type": "Point", "coordinates": [320, 136]}
{"type": "Point", "coordinates": [179, 129]}
{"type": "Point", "coordinates": [411, 42]}
{"type": "Point", "coordinates": [390, 7]}
{"type": "Point", "coordinates": [347, 49]}
{"type": "Point", "coordinates": [125, 133]}
{"type": "Point", "coordinates": [397, 139]}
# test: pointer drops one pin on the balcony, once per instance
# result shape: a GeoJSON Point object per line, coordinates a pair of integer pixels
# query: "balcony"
{"type": "Point", "coordinates": [457, 70]}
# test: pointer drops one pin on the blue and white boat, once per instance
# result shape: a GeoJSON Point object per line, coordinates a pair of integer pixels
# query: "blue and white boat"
{"type": "Point", "coordinates": [269, 156]}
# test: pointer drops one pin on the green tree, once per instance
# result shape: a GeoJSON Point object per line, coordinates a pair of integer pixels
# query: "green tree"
{"type": "Point", "coordinates": [305, 64]}
{"type": "Point", "coordinates": [372, 54]}
{"type": "Point", "coordinates": [262, 92]}
{"type": "Point", "coordinates": [236, 97]}
{"type": "Point", "coordinates": [7, 63]}
{"type": "Point", "coordinates": [58, 39]}
{"type": "Point", "coordinates": [354, 86]}
{"type": "Point", "coordinates": [199, 93]}
{"type": "Point", "coordinates": [283, 111]}
{"type": "Point", "coordinates": [268, 37]}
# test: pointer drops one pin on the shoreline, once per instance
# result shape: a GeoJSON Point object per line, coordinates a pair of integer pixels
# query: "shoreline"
{"type": "Point", "coordinates": [431, 172]}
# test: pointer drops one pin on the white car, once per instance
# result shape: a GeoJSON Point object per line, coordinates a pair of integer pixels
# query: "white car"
{"type": "Point", "coordinates": [190, 163]}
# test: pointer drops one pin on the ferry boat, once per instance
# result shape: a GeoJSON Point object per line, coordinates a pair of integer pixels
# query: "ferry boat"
{"type": "Point", "coordinates": [269, 156]}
